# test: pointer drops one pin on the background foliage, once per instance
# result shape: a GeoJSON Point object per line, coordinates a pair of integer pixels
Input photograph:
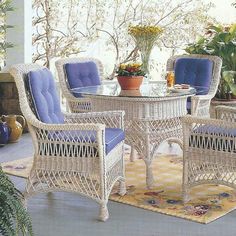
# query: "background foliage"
{"type": "Point", "coordinates": [100, 28]}
{"type": "Point", "coordinates": [220, 41]}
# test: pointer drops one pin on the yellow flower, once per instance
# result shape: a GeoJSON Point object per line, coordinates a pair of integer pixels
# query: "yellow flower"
{"type": "Point", "coordinates": [136, 65]}
{"type": "Point", "coordinates": [122, 66]}
{"type": "Point", "coordinates": [130, 69]}
{"type": "Point", "coordinates": [144, 30]}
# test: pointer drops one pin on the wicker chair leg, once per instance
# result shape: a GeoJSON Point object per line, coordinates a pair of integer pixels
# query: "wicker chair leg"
{"type": "Point", "coordinates": [185, 188]}
{"type": "Point", "coordinates": [186, 196]}
{"type": "Point", "coordinates": [25, 199]}
{"type": "Point", "coordinates": [133, 154]}
{"type": "Point", "coordinates": [122, 188]}
{"type": "Point", "coordinates": [24, 202]}
{"type": "Point", "coordinates": [170, 143]}
{"type": "Point", "coordinates": [104, 214]}
{"type": "Point", "coordinates": [149, 176]}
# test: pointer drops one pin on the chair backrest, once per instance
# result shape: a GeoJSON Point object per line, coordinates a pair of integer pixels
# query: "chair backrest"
{"type": "Point", "coordinates": [82, 74]}
{"type": "Point", "coordinates": [37, 93]}
{"type": "Point", "coordinates": [193, 71]}
{"type": "Point", "coordinates": [78, 72]}
{"type": "Point", "coordinates": [44, 95]}
{"type": "Point", "coordinates": [196, 69]}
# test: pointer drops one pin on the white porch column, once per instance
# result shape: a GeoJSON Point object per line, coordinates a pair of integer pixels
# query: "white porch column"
{"type": "Point", "coordinates": [21, 34]}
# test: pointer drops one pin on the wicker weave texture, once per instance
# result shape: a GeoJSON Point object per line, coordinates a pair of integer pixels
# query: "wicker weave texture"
{"type": "Point", "coordinates": [69, 157]}
{"type": "Point", "coordinates": [209, 150]}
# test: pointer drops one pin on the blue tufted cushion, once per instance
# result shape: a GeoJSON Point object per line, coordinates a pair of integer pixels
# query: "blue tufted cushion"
{"type": "Point", "coordinates": [82, 74]}
{"type": "Point", "coordinates": [194, 71]}
{"type": "Point", "coordinates": [113, 136]}
{"type": "Point", "coordinates": [44, 95]}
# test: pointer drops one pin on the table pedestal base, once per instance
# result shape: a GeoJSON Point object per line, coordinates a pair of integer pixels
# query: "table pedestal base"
{"type": "Point", "coordinates": [133, 154]}
{"type": "Point", "coordinates": [145, 136]}
{"type": "Point", "coordinates": [149, 175]}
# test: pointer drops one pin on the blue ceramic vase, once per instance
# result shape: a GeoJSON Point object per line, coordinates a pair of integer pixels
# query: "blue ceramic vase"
{"type": "Point", "coordinates": [4, 133]}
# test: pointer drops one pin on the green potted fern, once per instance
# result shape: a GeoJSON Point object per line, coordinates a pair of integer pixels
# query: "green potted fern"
{"type": "Point", "coordinates": [14, 219]}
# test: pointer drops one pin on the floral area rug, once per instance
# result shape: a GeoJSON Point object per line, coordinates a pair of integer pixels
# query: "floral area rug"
{"type": "Point", "coordinates": [208, 202]}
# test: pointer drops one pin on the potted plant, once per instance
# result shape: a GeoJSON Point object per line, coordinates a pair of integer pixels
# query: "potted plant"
{"type": "Point", "coordinates": [14, 219]}
{"type": "Point", "coordinates": [220, 41]}
{"type": "Point", "coordinates": [130, 76]}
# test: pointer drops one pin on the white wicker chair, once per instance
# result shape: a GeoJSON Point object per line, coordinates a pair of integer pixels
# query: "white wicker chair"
{"type": "Point", "coordinates": [200, 104]}
{"type": "Point", "coordinates": [72, 156]}
{"type": "Point", "coordinates": [75, 104]}
{"type": "Point", "coordinates": [209, 150]}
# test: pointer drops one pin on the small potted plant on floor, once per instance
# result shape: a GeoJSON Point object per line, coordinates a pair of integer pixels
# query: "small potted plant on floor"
{"type": "Point", "coordinates": [130, 76]}
{"type": "Point", "coordinates": [14, 219]}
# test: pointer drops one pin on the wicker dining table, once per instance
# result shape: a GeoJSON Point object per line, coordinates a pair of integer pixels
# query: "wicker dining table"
{"type": "Point", "coordinates": [152, 114]}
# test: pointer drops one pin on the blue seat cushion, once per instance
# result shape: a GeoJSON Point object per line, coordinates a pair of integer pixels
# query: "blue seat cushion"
{"type": "Point", "coordinates": [44, 96]}
{"type": "Point", "coordinates": [195, 72]}
{"type": "Point", "coordinates": [214, 142]}
{"type": "Point", "coordinates": [113, 136]}
{"type": "Point", "coordinates": [82, 74]}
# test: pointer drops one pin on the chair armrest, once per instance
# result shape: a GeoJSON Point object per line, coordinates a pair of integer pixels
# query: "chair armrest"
{"type": "Point", "coordinates": [78, 140]}
{"type": "Point", "coordinates": [200, 105]}
{"type": "Point", "coordinates": [202, 97]}
{"type": "Point", "coordinates": [189, 120]}
{"type": "Point", "coordinates": [79, 105]}
{"type": "Point", "coordinates": [78, 100]}
{"type": "Point", "coordinates": [192, 123]}
{"type": "Point", "coordinates": [112, 119]}
{"type": "Point", "coordinates": [68, 126]}
{"type": "Point", "coordinates": [226, 113]}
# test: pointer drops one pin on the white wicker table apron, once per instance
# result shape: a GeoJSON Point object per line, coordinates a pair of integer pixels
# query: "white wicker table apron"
{"type": "Point", "coordinates": [148, 120]}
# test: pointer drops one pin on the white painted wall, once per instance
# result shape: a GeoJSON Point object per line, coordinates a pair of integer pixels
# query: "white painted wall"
{"type": "Point", "coordinates": [21, 34]}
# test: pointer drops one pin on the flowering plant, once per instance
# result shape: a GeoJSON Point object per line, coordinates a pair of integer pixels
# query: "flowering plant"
{"type": "Point", "coordinates": [144, 32]}
{"type": "Point", "coordinates": [130, 69]}
{"type": "Point", "coordinates": [145, 36]}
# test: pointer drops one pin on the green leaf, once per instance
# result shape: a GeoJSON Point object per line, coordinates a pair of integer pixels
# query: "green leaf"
{"type": "Point", "coordinates": [216, 28]}
{"type": "Point", "coordinates": [14, 219]}
{"type": "Point", "coordinates": [232, 29]}
{"type": "Point", "coordinates": [230, 78]}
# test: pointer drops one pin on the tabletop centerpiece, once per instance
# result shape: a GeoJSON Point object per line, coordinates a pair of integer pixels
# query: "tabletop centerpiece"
{"type": "Point", "coordinates": [145, 37]}
{"type": "Point", "coordinates": [130, 76]}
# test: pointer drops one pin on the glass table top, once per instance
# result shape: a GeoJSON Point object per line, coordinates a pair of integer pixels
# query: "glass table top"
{"type": "Point", "coordinates": [148, 90]}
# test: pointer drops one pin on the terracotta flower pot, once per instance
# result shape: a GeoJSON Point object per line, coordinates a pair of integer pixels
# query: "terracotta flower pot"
{"type": "Point", "coordinates": [130, 82]}
{"type": "Point", "coordinates": [130, 93]}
